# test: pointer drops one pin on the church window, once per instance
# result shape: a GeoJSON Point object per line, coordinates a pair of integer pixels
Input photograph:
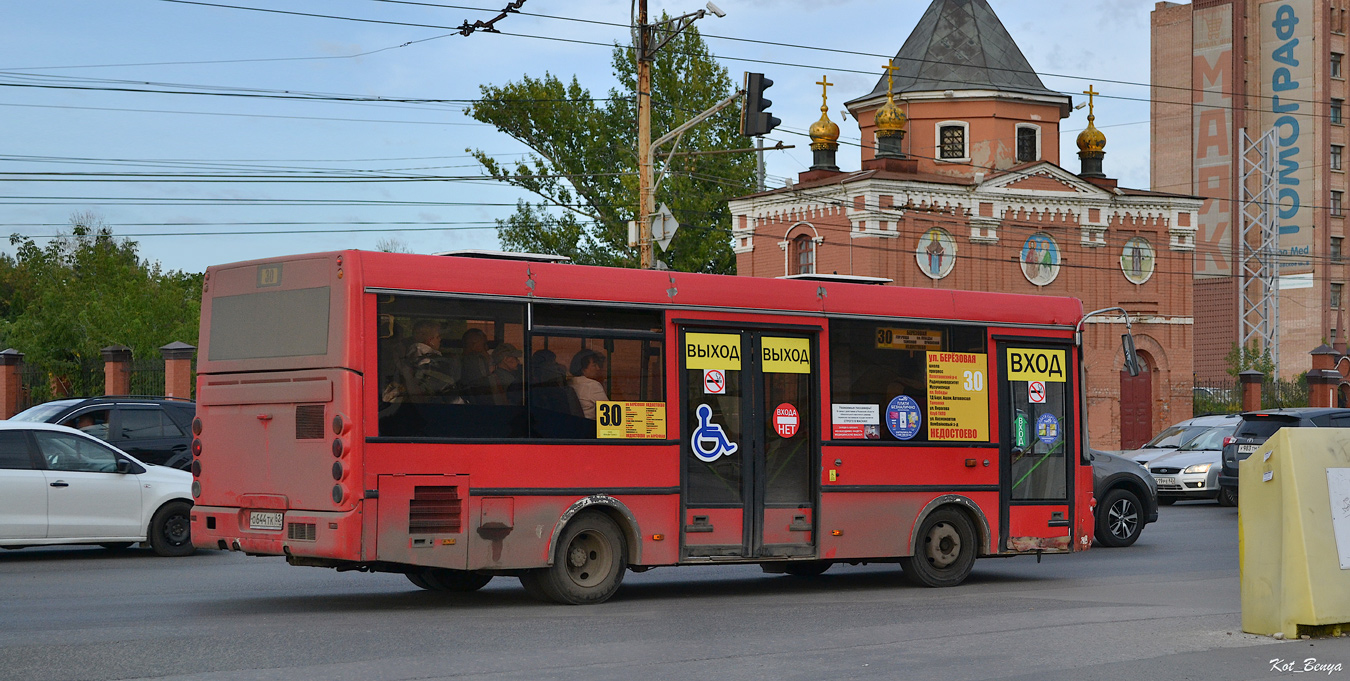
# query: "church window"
{"type": "Point", "coordinates": [804, 255]}
{"type": "Point", "coordinates": [1028, 143]}
{"type": "Point", "coordinates": [952, 142]}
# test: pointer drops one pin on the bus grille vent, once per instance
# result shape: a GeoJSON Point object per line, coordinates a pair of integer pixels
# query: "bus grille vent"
{"type": "Point", "coordinates": [435, 510]}
{"type": "Point", "coordinates": [309, 422]}
{"type": "Point", "coordinates": [300, 531]}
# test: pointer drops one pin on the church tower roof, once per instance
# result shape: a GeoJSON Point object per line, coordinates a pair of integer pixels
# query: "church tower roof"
{"type": "Point", "coordinates": [962, 45]}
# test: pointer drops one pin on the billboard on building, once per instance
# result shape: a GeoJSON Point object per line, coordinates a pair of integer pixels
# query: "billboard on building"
{"type": "Point", "coordinates": [1287, 86]}
{"type": "Point", "coordinates": [1212, 94]}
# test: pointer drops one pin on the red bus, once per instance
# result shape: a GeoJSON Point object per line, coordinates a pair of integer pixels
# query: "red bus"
{"type": "Point", "coordinates": [459, 418]}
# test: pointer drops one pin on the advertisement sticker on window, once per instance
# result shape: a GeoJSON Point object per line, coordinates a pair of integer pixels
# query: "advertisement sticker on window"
{"type": "Point", "coordinates": [958, 406]}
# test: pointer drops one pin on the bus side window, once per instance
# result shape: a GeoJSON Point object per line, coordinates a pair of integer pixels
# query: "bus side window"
{"type": "Point", "coordinates": [582, 355]}
{"type": "Point", "coordinates": [450, 368]}
{"type": "Point", "coordinates": [875, 361]}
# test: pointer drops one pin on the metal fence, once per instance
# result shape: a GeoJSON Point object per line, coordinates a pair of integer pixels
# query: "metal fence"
{"type": "Point", "coordinates": [1225, 397]}
{"type": "Point", "coordinates": [69, 379]}
{"type": "Point", "coordinates": [147, 376]}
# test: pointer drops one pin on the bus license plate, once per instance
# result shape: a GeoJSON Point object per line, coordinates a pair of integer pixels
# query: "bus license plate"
{"type": "Point", "coordinates": [264, 520]}
{"type": "Point", "coordinates": [1247, 449]}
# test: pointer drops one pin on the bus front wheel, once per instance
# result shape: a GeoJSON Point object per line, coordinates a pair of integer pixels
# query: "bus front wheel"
{"type": "Point", "coordinates": [588, 565]}
{"type": "Point", "coordinates": [944, 550]}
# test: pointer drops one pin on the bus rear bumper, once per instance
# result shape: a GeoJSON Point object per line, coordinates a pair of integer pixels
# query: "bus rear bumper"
{"type": "Point", "coordinates": [300, 533]}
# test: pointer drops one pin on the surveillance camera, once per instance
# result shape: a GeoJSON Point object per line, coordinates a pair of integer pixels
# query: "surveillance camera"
{"type": "Point", "coordinates": [1079, 105]}
{"type": "Point", "coordinates": [716, 10]}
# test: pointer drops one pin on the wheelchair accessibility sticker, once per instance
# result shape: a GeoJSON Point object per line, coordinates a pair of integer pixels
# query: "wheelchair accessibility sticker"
{"type": "Point", "coordinates": [709, 441]}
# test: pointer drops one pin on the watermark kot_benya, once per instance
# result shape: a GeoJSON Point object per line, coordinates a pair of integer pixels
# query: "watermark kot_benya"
{"type": "Point", "coordinates": [1310, 664]}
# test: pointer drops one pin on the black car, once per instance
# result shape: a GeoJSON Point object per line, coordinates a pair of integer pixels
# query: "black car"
{"type": "Point", "coordinates": [154, 430]}
{"type": "Point", "coordinates": [1127, 498]}
{"type": "Point", "coordinates": [1257, 427]}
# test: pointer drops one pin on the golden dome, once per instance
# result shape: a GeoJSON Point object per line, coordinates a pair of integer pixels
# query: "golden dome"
{"type": "Point", "coordinates": [1091, 139]}
{"type": "Point", "coordinates": [823, 130]}
{"type": "Point", "coordinates": [890, 118]}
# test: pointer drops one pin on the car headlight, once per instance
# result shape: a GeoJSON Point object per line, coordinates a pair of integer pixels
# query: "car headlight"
{"type": "Point", "coordinates": [1198, 468]}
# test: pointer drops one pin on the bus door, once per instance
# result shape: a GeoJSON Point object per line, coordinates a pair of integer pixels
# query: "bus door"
{"type": "Point", "coordinates": [1038, 449]}
{"type": "Point", "coordinates": [749, 443]}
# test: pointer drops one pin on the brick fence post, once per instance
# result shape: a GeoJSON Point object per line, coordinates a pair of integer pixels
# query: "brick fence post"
{"type": "Point", "coordinates": [11, 361]}
{"type": "Point", "coordinates": [178, 369]}
{"type": "Point", "coordinates": [116, 370]}
{"type": "Point", "coordinates": [1251, 389]}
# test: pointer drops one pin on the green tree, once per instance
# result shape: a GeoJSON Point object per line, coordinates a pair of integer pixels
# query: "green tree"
{"type": "Point", "coordinates": [86, 290]}
{"type": "Point", "coordinates": [584, 161]}
{"type": "Point", "coordinates": [1240, 359]}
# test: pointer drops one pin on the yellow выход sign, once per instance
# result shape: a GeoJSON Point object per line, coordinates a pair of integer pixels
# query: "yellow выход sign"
{"type": "Point", "coordinates": [712, 351]}
{"type": "Point", "coordinates": [785, 355]}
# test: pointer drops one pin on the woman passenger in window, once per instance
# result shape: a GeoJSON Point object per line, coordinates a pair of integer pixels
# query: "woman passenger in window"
{"type": "Point", "coordinates": [588, 368]}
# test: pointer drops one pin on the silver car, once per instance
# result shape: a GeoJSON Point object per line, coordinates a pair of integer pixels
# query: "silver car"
{"type": "Point", "coordinates": [1175, 436]}
{"type": "Point", "coordinates": [1192, 471]}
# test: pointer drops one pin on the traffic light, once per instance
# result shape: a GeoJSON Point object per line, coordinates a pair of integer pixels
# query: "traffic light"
{"type": "Point", "coordinates": [755, 119]}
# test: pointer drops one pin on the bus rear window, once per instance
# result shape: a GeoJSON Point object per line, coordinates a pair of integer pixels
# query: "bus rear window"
{"type": "Point", "coordinates": [270, 324]}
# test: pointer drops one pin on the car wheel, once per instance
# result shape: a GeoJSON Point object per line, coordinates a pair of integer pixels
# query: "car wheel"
{"type": "Point", "coordinates": [117, 545]}
{"type": "Point", "coordinates": [810, 568]}
{"type": "Point", "coordinates": [588, 566]}
{"type": "Point", "coordinates": [1166, 501]}
{"type": "Point", "coordinates": [171, 530]}
{"type": "Point", "coordinates": [1228, 496]}
{"type": "Point", "coordinates": [944, 550]}
{"type": "Point", "coordinates": [1121, 519]}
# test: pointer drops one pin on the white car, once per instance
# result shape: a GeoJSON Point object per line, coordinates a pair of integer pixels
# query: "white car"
{"type": "Point", "coordinates": [61, 486]}
{"type": "Point", "coordinates": [1192, 471]}
{"type": "Point", "coordinates": [1175, 436]}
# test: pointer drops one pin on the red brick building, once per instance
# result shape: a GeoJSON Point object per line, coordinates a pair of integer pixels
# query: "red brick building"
{"type": "Point", "coordinates": [961, 188]}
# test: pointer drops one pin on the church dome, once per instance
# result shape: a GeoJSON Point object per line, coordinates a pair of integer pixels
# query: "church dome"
{"type": "Point", "coordinates": [823, 130]}
{"type": "Point", "coordinates": [1091, 139]}
{"type": "Point", "coordinates": [890, 118]}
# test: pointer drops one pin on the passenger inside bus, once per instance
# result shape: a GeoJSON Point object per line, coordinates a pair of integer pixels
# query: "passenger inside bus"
{"type": "Point", "coordinates": [588, 368]}
{"type": "Point", "coordinates": [554, 407]}
{"type": "Point", "coordinates": [432, 372]}
{"type": "Point", "coordinates": [474, 366]}
{"type": "Point", "coordinates": [504, 383]}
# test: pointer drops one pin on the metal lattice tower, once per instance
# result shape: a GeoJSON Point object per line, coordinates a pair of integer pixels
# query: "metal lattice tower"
{"type": "Point", "coordinates": [1259, 246]}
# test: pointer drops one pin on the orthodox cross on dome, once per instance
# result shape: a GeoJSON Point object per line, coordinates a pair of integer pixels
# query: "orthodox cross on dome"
{"type": "Point", "coordinates": [1090, 93]}
{"type": "Point", "coordinates": [824, 84]}
{"type": "Point", "coordinates": [891, 68]}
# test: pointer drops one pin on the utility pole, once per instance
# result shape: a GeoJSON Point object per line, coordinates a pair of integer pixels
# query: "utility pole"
{"type": "Point", "coordinates": [646, 193]}
{"type": "Point", "coordinates": [647, 46]}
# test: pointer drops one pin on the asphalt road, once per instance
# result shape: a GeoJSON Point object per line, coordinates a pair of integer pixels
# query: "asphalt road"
{"type": "Point", "coordinates": [1166, 608]}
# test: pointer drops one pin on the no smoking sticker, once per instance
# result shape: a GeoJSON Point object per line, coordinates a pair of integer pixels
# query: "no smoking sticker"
{"type": "Point", "coordinates": [1036, 392]}
{"type": "Point", "coordinates": [714, 382]}
{"type": "Point", "coordinates": [786, 420]}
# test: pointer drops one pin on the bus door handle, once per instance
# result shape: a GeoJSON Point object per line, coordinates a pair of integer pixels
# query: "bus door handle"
{"type": "Point", "coordinates": [1057, 519]}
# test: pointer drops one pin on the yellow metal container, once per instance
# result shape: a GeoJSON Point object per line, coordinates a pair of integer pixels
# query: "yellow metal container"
{"type": "Point", "coordinates": [1294, 533]}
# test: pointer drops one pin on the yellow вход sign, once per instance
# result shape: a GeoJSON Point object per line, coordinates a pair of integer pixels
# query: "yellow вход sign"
{"type": "Point", "coordinates": [785, 355]}
{"type": "Point", "coordinates": [712, 351]}
{"type": "Point", "coordinates": [1037, 364]}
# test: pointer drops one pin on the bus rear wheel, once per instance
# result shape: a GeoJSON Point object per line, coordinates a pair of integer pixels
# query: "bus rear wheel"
{"type": "Point", "coordinates": [944, 550]}
{"type": "Point", "coordinates": [442, 579]}
{"type": "Point", "coordinates": [588, 565]}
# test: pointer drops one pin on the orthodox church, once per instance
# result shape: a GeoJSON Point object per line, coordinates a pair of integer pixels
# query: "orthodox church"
{"type": "Point", "coordinates": [961, 187]}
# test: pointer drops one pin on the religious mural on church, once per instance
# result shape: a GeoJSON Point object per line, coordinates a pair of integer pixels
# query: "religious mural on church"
{"type": "Point", "coordinates": [936, 253]}
{"type": "Point", "coordinates": [1040, 259]}
{"type": "Point", "coordinates": [1136, 260]}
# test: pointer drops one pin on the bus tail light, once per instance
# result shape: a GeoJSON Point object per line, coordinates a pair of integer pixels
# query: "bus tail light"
{"type": "Point", "coordinates": [339, 447]}
{"type": "Point", "coordinates": [196, 469]}
{"type": "Point", "coordinates": [340, 425]}
{"type": "Point", "coordinates": [197, 426]}
{"type": "Point", "coordinates": [196, 447]}
{"type": "Point", "coordinates": [338, 471]}
{"type": "Point", "coordinates": [338, 494]}
{"type": "Point", "coordinates": [196, 489]}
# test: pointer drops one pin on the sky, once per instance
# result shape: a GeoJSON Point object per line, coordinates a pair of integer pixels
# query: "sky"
{"type": "Point", "coordinates": [78, 133]}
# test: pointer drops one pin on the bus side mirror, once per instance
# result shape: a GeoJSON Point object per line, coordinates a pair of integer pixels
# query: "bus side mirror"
{"type": "Point", "coordinates": [1131, 357]}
